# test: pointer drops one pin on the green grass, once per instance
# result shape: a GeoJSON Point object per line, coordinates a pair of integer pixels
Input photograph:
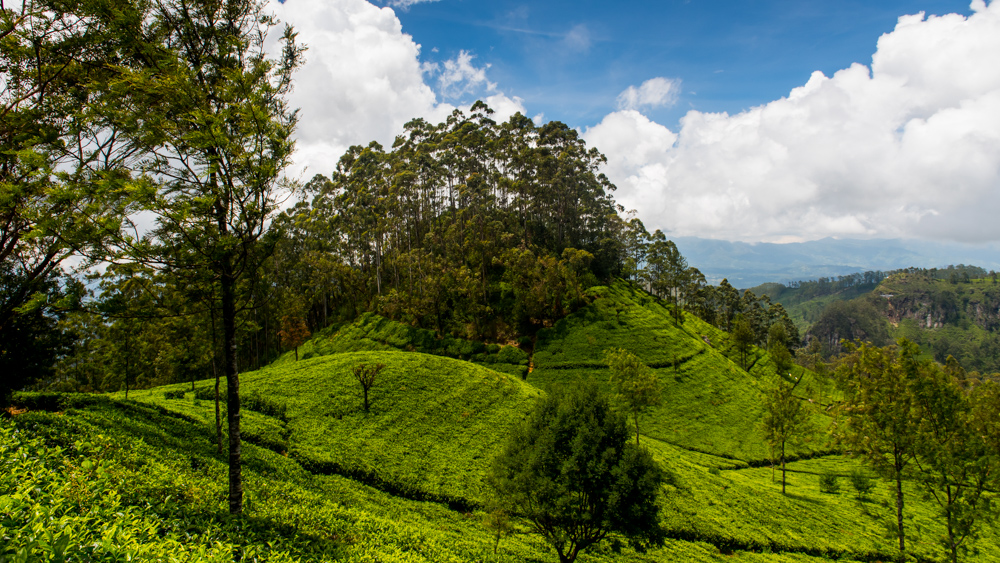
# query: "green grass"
{"type": "Point", "coordinates": [127, 480]}
{"type": "Point", "coordinates": [327, 481]}
{"type": "Point", "coordinates": [433, 425]}
{"type": "Point", "coordinates": [710, 404]}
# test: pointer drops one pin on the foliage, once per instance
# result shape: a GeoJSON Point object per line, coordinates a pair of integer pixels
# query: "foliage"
{"type": "Point", "coordinates": [371, 332]}
{"type": "Point", "coordinates": [635, 384]}
{"type": "Point", "coordinates": [954, 453]}
{"type": "Point", "coordinates": [215, 131]}
{"type": "Point", "coordinates": [876, 419]}
{"type": "Point", "coordinates": [829, 483]}
{"type": "Point", "coordinates": [62, 163]}
{"type": "Point", "coordinates": [293, 333]}
{"type": "Point", "coordinates": [713, 404]}
{"type": "Point", "coordinates": [570, 470]}
{"type": "Point", "coordinates": [785, 419]}
{"type": "Point", "coordinates": [436, 423]}
{"type": "Point", "coordinates": [470, 227]}
{"type": "Point", "coordinates": [861, 483]}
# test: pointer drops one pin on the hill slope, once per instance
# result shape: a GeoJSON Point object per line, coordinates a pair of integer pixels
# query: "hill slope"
{"type": "Point", "coordinates": [710, 403]}
{"type": "Point", "coordinates": [433, 426]}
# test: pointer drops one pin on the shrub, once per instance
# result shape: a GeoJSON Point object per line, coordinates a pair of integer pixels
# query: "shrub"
{"type": "Point", "coordinates": [258, 403]}
{"type": "Point", "coordinates": [174, 394]}
{"type": "Point", "coordinates": [829, 483]}
{"type": "Point", "coordinates": [862, 483]}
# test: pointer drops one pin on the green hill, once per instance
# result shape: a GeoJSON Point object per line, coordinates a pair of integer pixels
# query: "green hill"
{"type": "Point", "coordinates": [101, 478]}
{"type": "Point", "coordinates": [710, 403]}
{"type": "Point", "coordinates": [945, 314]}
{"type": "Point", "coordinates": [433, 425]}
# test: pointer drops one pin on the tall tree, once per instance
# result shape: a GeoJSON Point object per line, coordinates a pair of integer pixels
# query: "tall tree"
{"type": "Point", "coordinates": [786, 418]}
{"type": "Point", "coordinates": [957, 465]}
{"type": "Point", "coordinates": [212, 116]}
{"type": "Point", "coordinates": [876, 418]}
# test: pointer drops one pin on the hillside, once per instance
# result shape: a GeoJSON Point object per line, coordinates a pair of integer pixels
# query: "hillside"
{"type": "Point", "coordinates": [944, 314]}
{"type": "Point", "coordinates": [433, 425]}
{"type": "Point", "coordinates": [326, 481]}
{"type": "Point", "coordinates": [710, 404]}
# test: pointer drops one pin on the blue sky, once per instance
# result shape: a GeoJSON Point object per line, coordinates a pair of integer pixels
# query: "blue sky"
{"type": "Point", "coordinates": [570, 60]}
{"type": "Point", "coordinates": [750, 121]}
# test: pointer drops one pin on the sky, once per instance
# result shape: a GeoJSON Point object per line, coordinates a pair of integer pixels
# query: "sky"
{"type": "Point", "coordinates": [774, 121]}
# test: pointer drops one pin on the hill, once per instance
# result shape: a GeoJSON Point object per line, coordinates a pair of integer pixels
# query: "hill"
{"type": "Point", "coordinates": [710, 405]}
{"type": "Point", "coordinates": [326, 481]}
{"type": "Point", "coordinates": [944, 311]}
{"type": "Point", "coordinates": [433, 426]}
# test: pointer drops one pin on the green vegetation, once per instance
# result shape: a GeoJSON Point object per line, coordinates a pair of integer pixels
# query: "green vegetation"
{"type": "Point", "coordinates": [710, 404]}
{"type": "Point", "coordinates": [450, 285]}
{"type": "Point", "coordinates": [571, 471]}
{"type": "Point", "coordinates": [432, 428]}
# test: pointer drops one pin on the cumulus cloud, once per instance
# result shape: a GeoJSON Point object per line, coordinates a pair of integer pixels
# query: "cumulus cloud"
{"type": "Point", "coordinates": [654, 92]}
{"type": "Point", "coordinates": [363, 79]}
{"type": "Point", "coordinates": [909, 147]}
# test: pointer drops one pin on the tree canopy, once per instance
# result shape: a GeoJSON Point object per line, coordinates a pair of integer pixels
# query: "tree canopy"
{"type": "Point", "coordinates": [571, 470]}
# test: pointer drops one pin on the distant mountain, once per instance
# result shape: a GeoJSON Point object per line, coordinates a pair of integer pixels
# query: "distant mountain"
{"type": "Point", "coordinates": [750, 264]}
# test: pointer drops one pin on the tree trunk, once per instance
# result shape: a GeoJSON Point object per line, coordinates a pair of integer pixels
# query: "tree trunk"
{"type": "Point", "coordinates": [782, 467]}
{"type": "Point", "coordinates": [898, 466]}
{"type": "Point", "coordinates": [215, 373]}
{"type": "Point", "coordinates": [232, 386]}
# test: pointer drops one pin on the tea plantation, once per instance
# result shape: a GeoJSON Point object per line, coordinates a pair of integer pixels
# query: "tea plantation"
{"type": "Point", "coordinates": [102, 478]}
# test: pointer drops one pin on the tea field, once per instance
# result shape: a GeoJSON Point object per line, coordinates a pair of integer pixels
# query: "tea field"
{"type": "Point", "coordinates": [105, 478]}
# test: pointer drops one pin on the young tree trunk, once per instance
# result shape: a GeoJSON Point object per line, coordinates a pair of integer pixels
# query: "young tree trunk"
{"type": "Point", "coordinates": [782, 467]}
{"type": "Point", "coordinates": [215, 373]}
{"type": "Point", "coordinates": [232, 387]}
{"type": "Point", "coordinates": [898, 466]}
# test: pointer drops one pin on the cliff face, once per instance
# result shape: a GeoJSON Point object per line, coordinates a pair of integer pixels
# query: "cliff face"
{"type": "Point", "coordinates": [937, 303]}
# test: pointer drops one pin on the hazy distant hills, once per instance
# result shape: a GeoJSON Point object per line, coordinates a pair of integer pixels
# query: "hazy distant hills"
{"type": "Point", "coordinates": [750, 264]}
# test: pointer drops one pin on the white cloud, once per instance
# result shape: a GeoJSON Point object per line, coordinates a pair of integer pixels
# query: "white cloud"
{"type": "Point", "coordinates": [654, 92]}
{"type": "Point", "coordinates": [458, 77]}
{"type": "Point", "coordinates": [363, 79]}
{"type": "Point", "coordinates": [909, 147]}
{"type": "Point", "coordinates": [404, 4]}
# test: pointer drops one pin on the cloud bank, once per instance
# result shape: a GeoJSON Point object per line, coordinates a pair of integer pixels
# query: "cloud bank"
{"type": "Point", "coordinates": [363, 80]}
{"type": "Point", "coordinates": [909, 147]}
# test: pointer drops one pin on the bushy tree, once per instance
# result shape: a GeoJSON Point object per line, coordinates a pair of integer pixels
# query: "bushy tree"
{"type": "Point", "coordinates": [293, 333]}
{"type": "Point", "coordinates": [571, 471]}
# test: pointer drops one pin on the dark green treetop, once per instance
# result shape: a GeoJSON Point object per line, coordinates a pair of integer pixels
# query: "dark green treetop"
{"type": "Point", "coordinates": [572, 472]}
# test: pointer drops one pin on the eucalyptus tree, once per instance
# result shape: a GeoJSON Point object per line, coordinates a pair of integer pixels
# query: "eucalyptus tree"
{"type": "Point", "coordinates": [211, 115]}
